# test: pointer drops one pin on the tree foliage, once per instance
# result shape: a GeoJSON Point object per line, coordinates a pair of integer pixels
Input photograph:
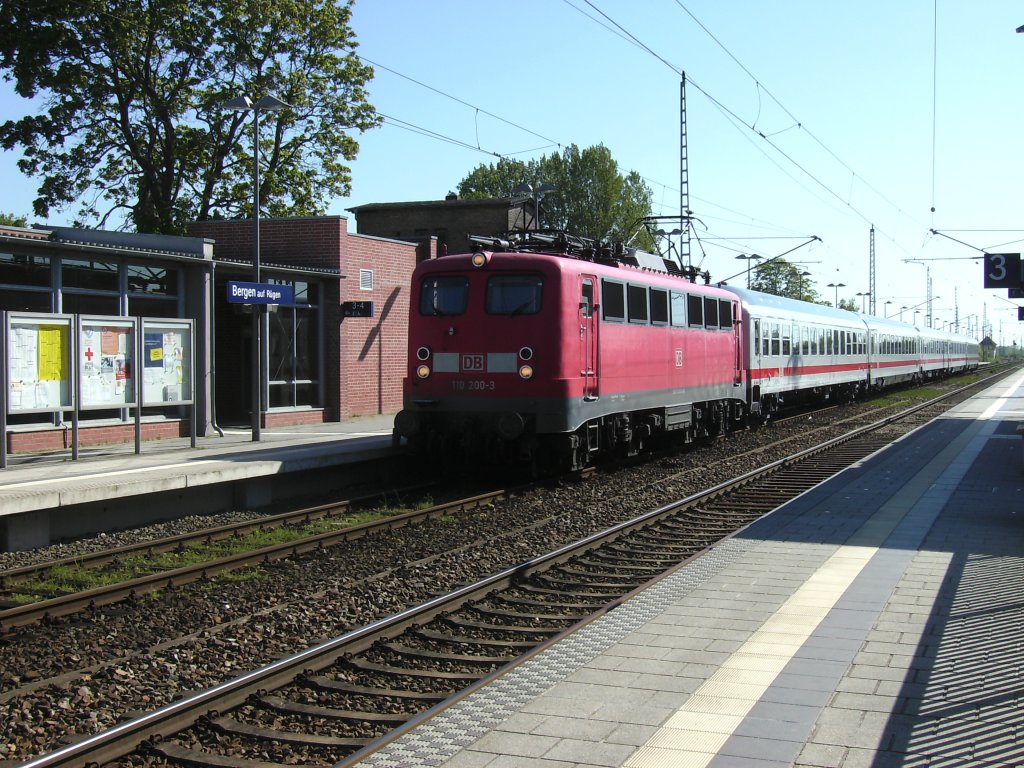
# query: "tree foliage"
{"type": "Point", "coordinates": [782, 278]}
{"type": "Point", "coordinates": [13, 220]}
{"type": "Point", "coordinates": [133, 122]}
{"type": "Point", "coordinates": [591, 197]}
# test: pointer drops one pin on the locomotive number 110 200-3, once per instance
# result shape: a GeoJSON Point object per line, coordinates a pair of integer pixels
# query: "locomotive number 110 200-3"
{"type": "Point", "coordinates": [473, 385]}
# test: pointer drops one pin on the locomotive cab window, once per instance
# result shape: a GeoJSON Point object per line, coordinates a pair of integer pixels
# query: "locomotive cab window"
{"type": "Point", "coordinates": [444, 295]}
{"type": "Point", "coordinates": [514, 294]}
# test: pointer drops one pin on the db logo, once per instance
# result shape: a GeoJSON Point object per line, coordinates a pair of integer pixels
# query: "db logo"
{"type": "Point", "coordinates": [472, 362]}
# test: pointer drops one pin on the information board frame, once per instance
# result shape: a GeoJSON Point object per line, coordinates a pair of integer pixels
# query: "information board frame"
{"type": "Point", "coordinates": [155, 346]}
{"type": "Point", "coordinates": [39, 343]}
{"type": "Point", "coordinates": [106, 358]}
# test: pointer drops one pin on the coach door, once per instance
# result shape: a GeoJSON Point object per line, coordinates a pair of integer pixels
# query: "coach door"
{"type": "Point", "coordinates": [588, 338]}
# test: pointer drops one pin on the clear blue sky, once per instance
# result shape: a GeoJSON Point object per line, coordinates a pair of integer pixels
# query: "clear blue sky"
{"type": "Point", "coordinates": [872, 112]}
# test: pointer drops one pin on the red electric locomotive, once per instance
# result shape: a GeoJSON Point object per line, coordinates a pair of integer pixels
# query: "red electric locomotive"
{"type": "Point", "coordinates": [558, 354]}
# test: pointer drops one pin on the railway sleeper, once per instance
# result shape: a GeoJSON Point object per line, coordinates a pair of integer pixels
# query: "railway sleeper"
{"type": "Point", "coordinates": [279, 704]}
{"type": "Point", "coordinates": [515, 645]}
{"type": "Point", "coordinates": [331, 685]}
{"type": "Point", "coordinates": [229, 725]}
{"type": "Point", "coordinates": [369, 666]}
{"type": "Point", "coordinates": [464, 623]}
{"type": "Point", "coordinates": [181, 755]}
{"type": "Point", "coordinates": [539, 590]}
{"type": "Point", "coordinates": [516, 601]}
{"type": "Point", "coordinates": [502, 613]}
{"type": "Point", "coordinates": [461, 658]}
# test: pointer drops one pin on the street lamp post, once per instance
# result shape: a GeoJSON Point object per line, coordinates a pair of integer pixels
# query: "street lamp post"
{"type": "Point", "coordinates": [837, 286]}
{"type": "Point", "coordinates": [863, 298]}
{"type": "Point", "coordinates": [803, 274]}
{"type": "Point", "coordinates": [750, 258]}
{"type": "Point", "coordinates": [266, 104]}
{"type": "Point", "coordinates": [885, 308]}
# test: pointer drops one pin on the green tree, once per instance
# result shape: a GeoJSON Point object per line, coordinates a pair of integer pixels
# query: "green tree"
{"type": "Point", "coordinates": [591, 197]}
{"type": "Point", "coordinates": [13, 220]}
{"type": "Point", "coordinates": [133, 122]}
{"type": "Point", "coordinates": [782, 278]}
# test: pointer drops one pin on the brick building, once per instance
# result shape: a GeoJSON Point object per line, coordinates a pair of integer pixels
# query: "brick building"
{"type": "Point", "coordinates": [451, 220]}
{"type": "Point", "coordinates": [321, 365]}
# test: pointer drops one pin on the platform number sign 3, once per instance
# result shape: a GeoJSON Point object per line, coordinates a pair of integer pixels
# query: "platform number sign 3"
{"type": "Point", "coordinates": [1004, 270]}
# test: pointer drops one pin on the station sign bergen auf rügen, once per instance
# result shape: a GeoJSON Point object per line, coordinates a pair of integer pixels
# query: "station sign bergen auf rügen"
{"type": "Point", "coordinates": [260, 293]}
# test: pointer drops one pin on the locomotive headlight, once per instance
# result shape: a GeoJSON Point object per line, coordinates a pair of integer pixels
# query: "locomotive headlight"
{"type": "Point", "coordinates": [423, 353]}
{"type": "Point", "coordinates": [526, 371]}
{"type": "Point", "coordinates": [423, 371]}
{"type": "Point", "coordinates": [479, 260]}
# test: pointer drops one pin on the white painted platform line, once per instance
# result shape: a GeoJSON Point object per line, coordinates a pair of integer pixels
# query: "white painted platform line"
{"type": "Point", "coordinates": [693, 736]}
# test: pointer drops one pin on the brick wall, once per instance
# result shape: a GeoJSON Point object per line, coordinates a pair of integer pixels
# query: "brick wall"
{"type": "Point", "coordinates": [59, 438]}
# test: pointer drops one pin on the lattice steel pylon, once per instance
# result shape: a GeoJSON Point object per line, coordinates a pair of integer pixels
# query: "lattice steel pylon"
{"type": "Point", "coordinates": [684, 177]}
{"type": "Point", "coordinates": [871, 273]}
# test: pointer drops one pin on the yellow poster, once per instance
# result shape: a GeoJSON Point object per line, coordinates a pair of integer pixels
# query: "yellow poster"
{"type": "Point", "coordinates": [53, 349]}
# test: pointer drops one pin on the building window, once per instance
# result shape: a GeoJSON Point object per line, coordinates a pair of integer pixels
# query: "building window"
{"type": "Point", "coordinates": [293, 362]}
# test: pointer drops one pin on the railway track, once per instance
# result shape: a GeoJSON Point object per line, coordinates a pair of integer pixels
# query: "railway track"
{"type": "Point", "coordinates": [161, 574]}
{"type": "Point", "coordinates": [36, 593]}
{"type": "Point", "coordinates": [344, 697]}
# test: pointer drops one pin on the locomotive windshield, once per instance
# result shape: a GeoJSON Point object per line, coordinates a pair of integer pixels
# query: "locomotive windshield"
{"type": "Point", "coordinates": [444, 295]}
{"type": "Point", "coordinates": [514, 294]}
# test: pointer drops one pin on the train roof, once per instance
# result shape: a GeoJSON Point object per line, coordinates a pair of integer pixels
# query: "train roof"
{"type": "Point", "coordinates": [804, 310]}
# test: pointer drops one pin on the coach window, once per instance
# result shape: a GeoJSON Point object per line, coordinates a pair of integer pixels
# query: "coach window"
{"type": "Point", "coordinates": [678, 302]}
{"type": "Point", "coordinates": [637, 298]}
{"type": "Point", "coordinates": [757, 337]}
{"type": "Point", "coordinates": [710, 312]}
{"type": "Point", "coordinates": [776, 337]}
{"type": "Point", "coordinates": [514, 295]}
{"type": "Point", "coordinates": [444, 295]}
{"type": "Point", "coordinates": [805, 343]}
{"type": "Point", "coordinates": [613, 300]}
{"type": "Point", "coordinates": [659, 306]}
{"type": "Point", "coordinates": [724, 314]}
{"type": "Point", "coordinates": [786, 330]}
{"type": "Point", "coordinates": [695, 310]}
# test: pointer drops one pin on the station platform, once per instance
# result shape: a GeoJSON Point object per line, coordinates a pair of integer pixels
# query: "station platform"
{"type": "Point", "coordinates": [877, 620]}
{"type": "Point", "coordinates": [47, 497]}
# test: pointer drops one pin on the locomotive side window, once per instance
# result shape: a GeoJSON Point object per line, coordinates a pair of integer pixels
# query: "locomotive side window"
{"type": "Point", "coordinates": [678, 301]}
{"type": "Point", "coordinates": [514, 294]}
{"type": "Point", "coordinates": [637, 296]}
{"type": "Point", "coordinates": [613, 300]}
{"type": "Point", "coordinates": [659, 306]}
{"type": "Point", "coordinates": [443, 295]}
{"type": "Point", "coordinates": [695, 310]}
{"type": "Point", "coordinates": [725, 314]}
{"type": "Point", "coordinates": [710, 312]}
